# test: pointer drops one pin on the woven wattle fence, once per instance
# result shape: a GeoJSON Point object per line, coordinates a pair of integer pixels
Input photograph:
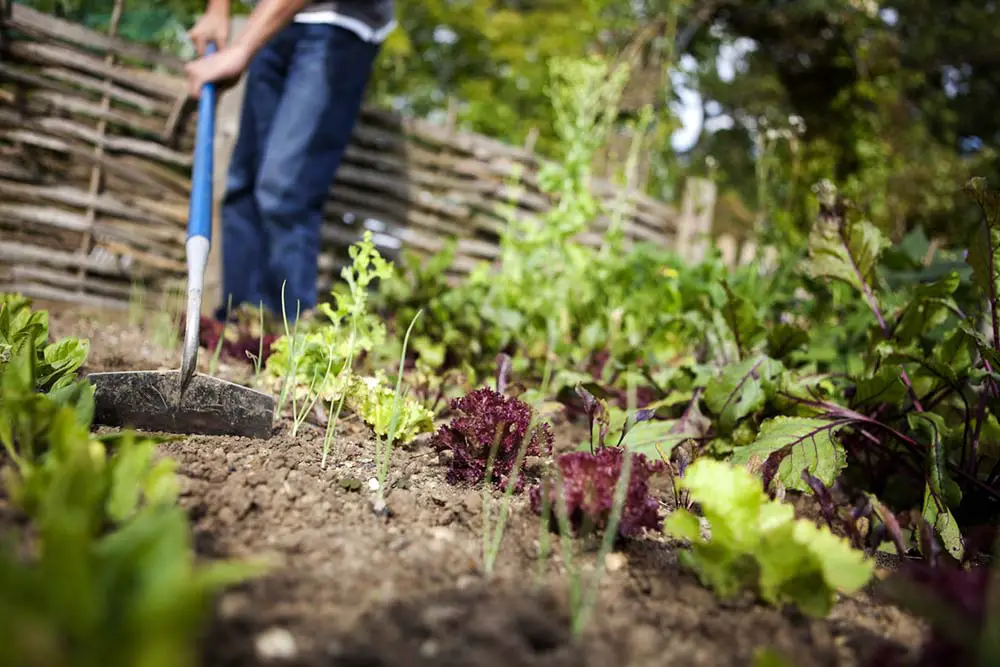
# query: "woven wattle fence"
{"type": "Point", "coordinates": [96, 141]}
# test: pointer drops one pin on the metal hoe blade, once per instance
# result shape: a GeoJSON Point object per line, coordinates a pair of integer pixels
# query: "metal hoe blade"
{"type": "Point", "coordinates": [153, 401]}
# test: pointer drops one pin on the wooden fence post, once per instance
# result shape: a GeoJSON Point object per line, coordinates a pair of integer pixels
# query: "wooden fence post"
{"type": "Point", "coordinates": [726, 244]}
{"type": "Point", "coordinates": [227, 126]}
{"type": "Point", "coordinates": [96, 172]}
{"type": "Point", "coordinates": [695, 221]}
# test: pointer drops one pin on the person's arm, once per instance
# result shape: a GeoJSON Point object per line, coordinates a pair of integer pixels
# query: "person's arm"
{"type": "Point", "coordinates": [266, 20]}
{"type": "Point", "coordinates": [218, 6]}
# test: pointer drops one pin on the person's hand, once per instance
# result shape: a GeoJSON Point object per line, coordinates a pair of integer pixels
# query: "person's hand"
{"type": "Point", "coordinates": [213, 26]}
{"type": "Point", "coordinates": [220, 67]}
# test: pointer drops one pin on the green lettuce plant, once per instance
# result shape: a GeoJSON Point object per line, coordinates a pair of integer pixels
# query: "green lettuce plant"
{"type": "Point", "coordinates": [757, 544]}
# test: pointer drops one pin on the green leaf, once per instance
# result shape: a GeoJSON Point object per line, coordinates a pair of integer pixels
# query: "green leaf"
{"type": "Point", "coordinates": [742, 389]}
{"type": "Point", "coordinates": [741, 317]}
{"type": "Point", "coordinates": [983, 260]}
{"type": "Point", "coordinates": [886, 386]}
{"type": "Point", "coordinates": [803, 443]}
{"type": "Point", "coordinates": [655, 438]}
{"type": "Point", "coordinates": [784, 339]}
{"type": "Point", "coordinates": [939, 487]}
{"type": "Point", "coordinates": [845, 251]}
{"type": "Point", "coordinates": [927, 307]}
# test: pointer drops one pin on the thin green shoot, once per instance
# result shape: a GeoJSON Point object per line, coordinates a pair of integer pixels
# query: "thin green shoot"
{"type": "Point", "coordinates": [383, 451]}
{"type": "Point", "coordinates": [291, 374]}
{"type": "Point", "coordinates": [331, 424]}
{"type": "Point", "coordinates": [493, 539]}
{"type": "Point", "coordinates": [550, 352]}
{"type": "Point", "coordinates": [581, 615]}
{"type": "Point", "coordinates": [583, 597]}
{"type": "Point", "coordinates": [315, 392]}
{"type": "Point", "coordinates": [177, 309]}
{"type": "Point", "coordinates": [137, 304]}
{"type": "Point", "coordinates": [167, 318]}
{"type": "Point", "coordinates": [257, 363]}
{"type": "Point", "coordinates": [214, 363]}
{"type": "Point", "coordinates": [544, 539]}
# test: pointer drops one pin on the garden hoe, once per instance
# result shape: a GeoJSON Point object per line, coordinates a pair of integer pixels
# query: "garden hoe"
{"type": "Point", "coordinates": [186, 401]}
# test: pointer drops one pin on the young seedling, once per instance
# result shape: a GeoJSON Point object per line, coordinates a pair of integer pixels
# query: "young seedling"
{"type": "Point", "coordinates": [315, 391]}
{"type": "Point", "coordinates": [583, 595]}
{"type": "Point", "coordinates": [214, 363]}
{"type": "Point", "coordinates": [293, 355]}
{"type": "Point", "coordinates": [260, 349]}
{"type": "Point", "coordinates": [493, 535]}
{"type": "Point", "coordinates": [345, 378]}
{"type": "Point", "coordinates": [137, 304]}
{"type": "Point", "coordinates": [166, 323]}
{"type": "Point", "coordinates": [383, 450]}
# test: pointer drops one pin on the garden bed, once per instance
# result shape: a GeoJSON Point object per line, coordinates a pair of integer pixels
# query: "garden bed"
{"type": "Point", "coordinates": [349, 587]}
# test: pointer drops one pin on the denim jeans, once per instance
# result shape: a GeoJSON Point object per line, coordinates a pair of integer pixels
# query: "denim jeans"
{"type": "Point", "coordinates": [304, 90]}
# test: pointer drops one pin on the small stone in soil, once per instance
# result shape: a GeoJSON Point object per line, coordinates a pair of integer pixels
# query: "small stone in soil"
{"type": "Point", "coordinates": [276, 644]}
{"type": "Point", "coordinates": [615, 561]}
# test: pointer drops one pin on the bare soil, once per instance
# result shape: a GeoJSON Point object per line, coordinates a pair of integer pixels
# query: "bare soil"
{"type": "Point", "coordinates": [356, 589]}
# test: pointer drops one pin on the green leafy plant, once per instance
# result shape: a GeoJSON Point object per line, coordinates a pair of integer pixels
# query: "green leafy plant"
{"type": "Point", "coordinates": [316, 364]}
{"type": "Point", "coordinates": [109, 574]}
{"type": "Point", "coordinates": [54, 365]}
{"type": "Point", "coordinates": [757, 544]}
{"type": "Point", "coordinates": [860, 367]}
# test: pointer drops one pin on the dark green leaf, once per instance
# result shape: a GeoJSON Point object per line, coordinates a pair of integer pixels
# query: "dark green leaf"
{"type": "Point", "coordinates": [805, 443]}
{"type": "Point", "coordinates": [742, 389]}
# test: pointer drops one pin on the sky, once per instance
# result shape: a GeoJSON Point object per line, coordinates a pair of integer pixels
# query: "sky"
{"type": "Point", "coordinates": [689, 108]}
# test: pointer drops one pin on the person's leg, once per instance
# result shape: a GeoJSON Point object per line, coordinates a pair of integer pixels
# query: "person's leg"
{"type": "Point", "coordinates": [244, 240]}
{"type": "Point", "coordinates": [324, 89]}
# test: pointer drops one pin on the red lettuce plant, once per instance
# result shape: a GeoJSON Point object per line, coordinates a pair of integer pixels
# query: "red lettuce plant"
{"type": "Point", "coordinates": [482, 417]}
{"type": "Point", "coordinates": [588, 479]}
{"type": "Point", "coordinates": [588, 486]}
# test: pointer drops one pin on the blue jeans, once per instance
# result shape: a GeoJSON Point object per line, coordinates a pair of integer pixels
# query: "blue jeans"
{"type": "Point", "coordinates": [304, 90]}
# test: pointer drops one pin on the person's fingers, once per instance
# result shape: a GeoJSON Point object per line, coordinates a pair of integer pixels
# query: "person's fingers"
{"type": "Point", "coordinates": [199, 42]}
{"type": "Point", "coordinates": [193, 80]}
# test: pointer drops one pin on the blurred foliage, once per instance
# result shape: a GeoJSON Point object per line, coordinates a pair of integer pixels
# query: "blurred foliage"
{"type": "Point", "coordinates": [895, 98]}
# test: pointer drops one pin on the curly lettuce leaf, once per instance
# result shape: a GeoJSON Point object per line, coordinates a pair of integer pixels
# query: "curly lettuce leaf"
{"type": "Point", "coordinates": [758, 544]}
{"type": "Point", "coordinates": [372, 399]}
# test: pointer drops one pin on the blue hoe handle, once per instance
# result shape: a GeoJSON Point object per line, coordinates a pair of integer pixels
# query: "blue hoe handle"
{"type": "Point", "coordinates": [200, 214]}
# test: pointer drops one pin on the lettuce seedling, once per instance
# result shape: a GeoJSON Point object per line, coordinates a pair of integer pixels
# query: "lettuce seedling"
{"type": "Point", "coordinates": [486, 417]}
{"type": "Point", "coordinates": [758, 544]}
{"type": "Point", "coordinates": [588, 485]}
